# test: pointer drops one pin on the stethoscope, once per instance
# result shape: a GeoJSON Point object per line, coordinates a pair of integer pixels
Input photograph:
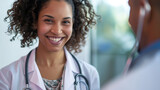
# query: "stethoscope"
{"type": "Point", "coordinates": [138, 36]}
{"type": "Point", "coordinates": [76, 82]}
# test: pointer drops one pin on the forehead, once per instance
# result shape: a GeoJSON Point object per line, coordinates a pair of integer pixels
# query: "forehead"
{"type": "Point", "coordinates": [61, 3]}
{"type": "Point", "coordinates": [57, 6]}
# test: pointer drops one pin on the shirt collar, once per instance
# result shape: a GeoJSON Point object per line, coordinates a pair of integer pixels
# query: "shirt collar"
{"type": "Point", "coordinates": [71, 68]}
{"type": "Point", "coordinates": [71, 62]}
{"type": "Point", "coordinates": [33, 71]}
{"type": "Point", "coordinates": [152, 47]}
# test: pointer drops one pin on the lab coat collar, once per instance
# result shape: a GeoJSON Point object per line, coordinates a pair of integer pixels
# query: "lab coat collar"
{"type": "Point", "coordinates": [36, 78]}
{"type": "Point", "coordinates": [71, 68]}
{"type": "Point", "coordinates": [34, 73]}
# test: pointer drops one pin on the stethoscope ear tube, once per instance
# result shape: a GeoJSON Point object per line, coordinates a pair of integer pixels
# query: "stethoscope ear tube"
{"type": "Point", "coordinates": [80, 71]}
{"type": "Point", "coordinates": [26, 71]}
{"type": "Point", "coordinates": [138, 37]}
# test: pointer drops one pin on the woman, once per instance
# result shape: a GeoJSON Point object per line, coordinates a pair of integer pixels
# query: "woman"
{"type": "Point", "coordinates": [61, 26]}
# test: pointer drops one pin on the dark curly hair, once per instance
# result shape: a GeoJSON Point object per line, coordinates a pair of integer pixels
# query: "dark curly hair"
{"type": "Point", "coordinates": [24, 14]}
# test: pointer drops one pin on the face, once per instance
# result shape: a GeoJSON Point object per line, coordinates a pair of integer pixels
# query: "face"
{"type": "Point", "coordinates": [134, 14]}
{"type": "Point", "coordinates": [54, 25]}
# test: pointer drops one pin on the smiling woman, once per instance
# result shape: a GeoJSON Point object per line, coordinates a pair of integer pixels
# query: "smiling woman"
{"type": "Point", "coordinates": [61, 27]}
{"type": "Point", "coordinates": [54, 26]}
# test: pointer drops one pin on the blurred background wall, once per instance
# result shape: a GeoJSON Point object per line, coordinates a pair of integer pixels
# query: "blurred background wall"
{"type": "Point", "coordinates": [108, 43]}
{"type": "Point", "coordinates": [112, 40]}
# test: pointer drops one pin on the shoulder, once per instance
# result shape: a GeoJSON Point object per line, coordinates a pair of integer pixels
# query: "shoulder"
{"type": "Point", "coordinates": [144, 77]}
{"type": "Point", "coordinates": [87, 67]}
{"type": "Point", "coordinates": [10, 72]}
{"type": "Point", "coordinates": [14, 64]}
{"type": "Point", "coordinates": [90, 72]}
{"type": "Point", "coordinates": [14, 67]}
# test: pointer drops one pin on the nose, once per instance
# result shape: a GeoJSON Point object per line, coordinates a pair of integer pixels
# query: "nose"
{"type": "Point", "coordinates": [56, 28]}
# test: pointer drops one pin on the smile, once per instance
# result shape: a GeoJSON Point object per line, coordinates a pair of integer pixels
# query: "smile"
{"type": "Point", "coordinates": [54, 39]}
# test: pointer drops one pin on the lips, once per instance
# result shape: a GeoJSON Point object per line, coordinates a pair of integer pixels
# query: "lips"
{"type": "Point", "coordinates": [55, 40]}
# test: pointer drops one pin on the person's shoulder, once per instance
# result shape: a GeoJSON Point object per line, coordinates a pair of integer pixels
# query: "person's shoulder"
{"type": "Point", "coordinates": [87, 68]}
{"type": "Point", "coordinates": [13, 66]}
{"type": "Point", "coordinates": [91, 73]}
{"type": "Point", "coordinates": [146, 74]}
{"type": "Point", "coordinates": [10, 72]}
{"type": "Point", "coordinates": [86, 65]}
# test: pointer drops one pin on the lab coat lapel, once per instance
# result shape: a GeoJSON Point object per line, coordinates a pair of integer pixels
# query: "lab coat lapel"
{"type": "Point", "coordinates": [35, 77]}
{"type": "Point", "coordinates": [71, 68]}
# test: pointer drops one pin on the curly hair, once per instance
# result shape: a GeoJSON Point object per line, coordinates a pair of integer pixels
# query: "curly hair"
{"type": "Point", "coordinates": [24, 14]}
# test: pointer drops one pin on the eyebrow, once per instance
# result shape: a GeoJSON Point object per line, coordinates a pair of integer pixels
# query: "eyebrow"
{"type": "Point", "coordinates": [48, 16]}
{"type": "Point", "coordinates": [53, 17]}
{"type": "Point", "coordinates": [67, 18]}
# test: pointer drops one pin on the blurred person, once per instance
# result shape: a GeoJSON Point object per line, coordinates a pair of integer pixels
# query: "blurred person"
{"type": "Point", "coordinates": [144, 70]}
{"type": "Point", "coordinates": [61, 27]}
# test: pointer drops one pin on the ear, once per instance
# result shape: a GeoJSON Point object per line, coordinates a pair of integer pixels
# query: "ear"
{"type": "Point", "coordinates": [146, 9]}
{"type": "Point", "coordinates": [144, 4]}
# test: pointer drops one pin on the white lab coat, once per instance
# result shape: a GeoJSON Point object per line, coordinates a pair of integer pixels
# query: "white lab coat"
{"type": "Point", "coordinates": [12, 77]}
{"type": "Point", "coordinates": [144, 77]}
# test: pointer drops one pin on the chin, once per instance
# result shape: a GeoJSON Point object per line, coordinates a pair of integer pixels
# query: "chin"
{"type": "Point", "coordinates": [55, 49]}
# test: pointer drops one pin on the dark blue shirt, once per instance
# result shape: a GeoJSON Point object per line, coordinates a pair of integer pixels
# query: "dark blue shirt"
{"type": "Point", "coordinates": [146, 51]}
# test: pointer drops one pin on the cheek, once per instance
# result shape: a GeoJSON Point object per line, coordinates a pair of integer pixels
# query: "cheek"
{"type": "Point", "coordinates": [68, 31]}
{"type": "Point", "coordinates": [42, 28]}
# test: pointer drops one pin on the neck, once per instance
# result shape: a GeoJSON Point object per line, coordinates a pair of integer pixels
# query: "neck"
{"type": "Point", "coordinates": [50, 59]}
{"type": "Point", "coordinates": [151, 32]}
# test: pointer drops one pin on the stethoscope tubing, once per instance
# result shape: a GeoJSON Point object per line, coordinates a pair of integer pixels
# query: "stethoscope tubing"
{"type": "Point", "coordinates": [138, 37]}
{"type": "Point", "coordinates": [76, 76]}
{"type": "Point", "coordinates": [26, 69]}
{"type": "Point", "coordinates": [80, 72]}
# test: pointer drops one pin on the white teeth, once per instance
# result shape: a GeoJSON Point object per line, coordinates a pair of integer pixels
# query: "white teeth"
{"type": "Point", "coordinates": [55, 39]}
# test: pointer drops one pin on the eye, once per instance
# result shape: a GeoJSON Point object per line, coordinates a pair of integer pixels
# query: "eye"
{"type": "Point", "coordinates": [66, 22]}
{"type": "Point", "coordinates": [48, 21]}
